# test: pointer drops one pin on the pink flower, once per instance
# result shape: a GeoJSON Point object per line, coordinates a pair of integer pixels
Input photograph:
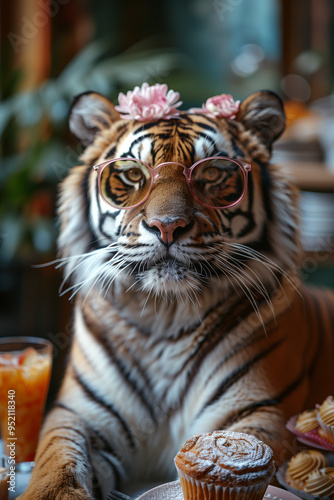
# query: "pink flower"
{"type": "Point", "coordinates": [219, 106]}
{"type": "Point", "coordinates": [148, 103]}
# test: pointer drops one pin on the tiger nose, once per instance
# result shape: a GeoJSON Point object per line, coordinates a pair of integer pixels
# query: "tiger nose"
{"type": "Point", "coordinates": [167, 229]}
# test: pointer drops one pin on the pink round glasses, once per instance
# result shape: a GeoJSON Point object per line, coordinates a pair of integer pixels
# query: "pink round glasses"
{"type": "Point", "coordinates": [215, 182]}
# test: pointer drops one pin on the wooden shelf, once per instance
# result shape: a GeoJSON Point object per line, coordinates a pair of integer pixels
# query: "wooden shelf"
{"type": "Point", "coordinates": [311, 176]}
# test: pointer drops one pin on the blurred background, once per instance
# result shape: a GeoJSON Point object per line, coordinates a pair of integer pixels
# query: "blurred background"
{"type": "Point", "coordinates": [52, 50]}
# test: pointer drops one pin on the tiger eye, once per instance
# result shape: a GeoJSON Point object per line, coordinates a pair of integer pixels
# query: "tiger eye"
{"type": "Point", "coordinates": [211, 174]}
{"type": "Point", "coordinates": [134, 174]}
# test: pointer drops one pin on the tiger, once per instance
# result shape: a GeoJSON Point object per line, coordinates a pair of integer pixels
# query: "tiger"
{"type": "Point", "coordinates": [189, 312]}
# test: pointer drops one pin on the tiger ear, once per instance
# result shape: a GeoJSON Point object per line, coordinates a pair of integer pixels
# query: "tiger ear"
{"type": "Point", "coordinates": [263, 113]}
{"type": "Point", "coordinates": [89, 115]}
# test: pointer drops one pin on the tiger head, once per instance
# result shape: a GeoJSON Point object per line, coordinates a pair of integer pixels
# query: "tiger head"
{"type": "Point", "coordinates": [173, 245]}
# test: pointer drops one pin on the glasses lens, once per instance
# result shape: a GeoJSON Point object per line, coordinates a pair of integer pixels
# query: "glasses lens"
{"type": "Point", "coordinates": [218, 182]}
{"type": "Point", "coordinates": [125, 183]}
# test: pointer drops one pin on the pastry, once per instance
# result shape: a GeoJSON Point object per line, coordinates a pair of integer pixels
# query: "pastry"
{"type": "Point", "coordinates": [325, 416]}
{"type": "Point", "coordinates": [321, 483]}
{"type": "Point", "coordinates": [224, 465]}
{"type": "Point", "coordinates": [302, 465]}
{"type": "Point", "coordinates": [307, 421]}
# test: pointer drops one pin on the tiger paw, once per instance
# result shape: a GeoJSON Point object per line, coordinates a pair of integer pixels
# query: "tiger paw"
{"type": "Point", "coordinates": [58, 486]}
{"type": "Point", "coordinates": [59, 493]}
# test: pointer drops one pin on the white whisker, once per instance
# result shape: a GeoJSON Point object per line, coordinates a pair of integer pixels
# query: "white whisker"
{"type": "Point", "coordinates": [253, 281]}
{"type": "Point", "coordinates": [145, 303]}
{"type": "Point", "coordinates": [274, 269]}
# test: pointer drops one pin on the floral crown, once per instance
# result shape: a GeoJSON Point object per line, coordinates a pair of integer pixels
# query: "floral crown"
{"type": "Point", "coordinates": [153, 102]}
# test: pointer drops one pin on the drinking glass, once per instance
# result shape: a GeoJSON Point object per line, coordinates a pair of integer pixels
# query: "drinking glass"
{"type": "Point", "coordinates": [4, 475]}
{"type": "Point", "coordinates": [25, 370]}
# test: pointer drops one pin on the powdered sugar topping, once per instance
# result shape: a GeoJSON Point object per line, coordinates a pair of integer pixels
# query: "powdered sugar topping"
{"type": "Point", "coordinates": [222, 455]}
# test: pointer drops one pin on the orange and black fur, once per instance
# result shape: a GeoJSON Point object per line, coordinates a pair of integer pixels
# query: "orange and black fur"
{"type": "Point", "coordinates": [207, 329]}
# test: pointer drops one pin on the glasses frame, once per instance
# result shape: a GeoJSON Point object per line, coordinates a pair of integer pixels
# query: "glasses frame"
{"type": "Point", "coordinates": [155, 173]}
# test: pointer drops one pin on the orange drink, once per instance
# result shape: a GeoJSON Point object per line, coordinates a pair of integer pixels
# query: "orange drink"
{"type": "Point", "coordinates": [25, 369]}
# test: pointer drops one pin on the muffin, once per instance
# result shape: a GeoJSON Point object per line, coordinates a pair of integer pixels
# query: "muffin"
{"type": "Point", "coordinates": [325, 416]}
{"type": "Point", "coordinates": [224, 465]}
{"type": "Point", "coordinates": [307, 421]}
{"type": "Point", "coordinates": [302, 465]}
{"type": "Point", "coordinates": [321, 483]}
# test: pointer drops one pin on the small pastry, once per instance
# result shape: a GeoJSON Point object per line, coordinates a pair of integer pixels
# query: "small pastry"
{"type": "Point", "coordinates": [325, 417]}
{"type": "Point", "coordinates": [321, 483]}
{"type": "Point", "coordinates": [307, 421]}
{"type": "Point", "coordinates": [301, 465]}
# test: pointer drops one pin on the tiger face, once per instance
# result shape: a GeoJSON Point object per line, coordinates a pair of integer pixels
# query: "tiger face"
{"type": "Point", "coordinates": [172, 245]}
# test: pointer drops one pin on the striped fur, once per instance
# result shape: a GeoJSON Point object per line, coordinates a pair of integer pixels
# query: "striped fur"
{"type": "Point", "coordinates": [212, 332]}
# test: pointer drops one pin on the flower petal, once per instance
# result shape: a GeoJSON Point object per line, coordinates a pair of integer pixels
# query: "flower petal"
{"type": "Point", "coordinates": [147, 103]}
